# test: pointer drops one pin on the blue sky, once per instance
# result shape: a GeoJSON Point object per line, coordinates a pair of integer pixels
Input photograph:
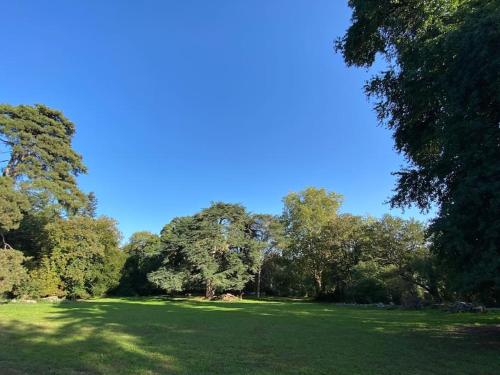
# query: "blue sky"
{"type": "Point", "coordinates": [180, 103]}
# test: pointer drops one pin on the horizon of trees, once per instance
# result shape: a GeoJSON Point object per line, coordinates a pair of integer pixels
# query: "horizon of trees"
{"type": "Point", "coordinates": [439, 95]}
{"type": "Point", "coordinates": [309, 250]}
{"type": "Point", "coordinates": [54, 245]}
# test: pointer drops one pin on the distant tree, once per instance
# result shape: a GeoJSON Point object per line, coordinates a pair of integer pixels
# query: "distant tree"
{"type": "Point", "coordinates": [45, 280]}
{"type": "Point", "coordinates": [90, 207]}
{"type": "Point", "coordinates": [369, 284]}
{"type": "Point", "coordinates": [268, 234]}
{"type": "Point", "coordinates": [213, 248]}
{"type": "Point", "coordinates": [85, 254]}
{"type": "Point", "coordinates": [345, 238]}
{"type": "Point", "coordinates": [402, 245]}
{"type": "Point", "coordinates": [281, 275]}
{"type": "Point", "coordinates": [440, 94]}
{"type": "Point", "coordinates": [307, 215]}
{"type": "Point", "coordinates": [40, 158]}
{"type": "Point", "coordinates": [142, 252]}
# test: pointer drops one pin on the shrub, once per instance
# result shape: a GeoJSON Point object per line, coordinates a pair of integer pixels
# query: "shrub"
{"type": "Point", "coordinates": [12, 272]}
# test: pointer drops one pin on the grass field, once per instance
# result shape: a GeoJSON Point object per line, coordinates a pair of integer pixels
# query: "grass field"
{"type": "Point", "coordinates": [153, 336]}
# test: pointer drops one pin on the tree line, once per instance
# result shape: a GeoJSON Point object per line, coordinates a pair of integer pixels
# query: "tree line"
{"type": "Point", "coordinates": [439, 95]}
{"type": "Point", "coordinates": [310, 250]}
{"type": "Point", "coordinates": [54, 245]}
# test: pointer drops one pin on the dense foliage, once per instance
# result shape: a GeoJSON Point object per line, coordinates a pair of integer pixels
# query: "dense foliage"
{"type": "Point", "coordinates": [12, 205]}
{"type": "Point", "coordinates": [84, 254]}
{"type": "Point", "coordinates": [310, 250]}
{"type": "Point", "coordinates": [440, 95]}
{"type": "Point", "coordinates": [55, 245]}
{"type": "Point", "coordinates": [142, 257]}
{"type": "Point", "coordinates": [41, 159]}
{"type": "Point", "coordinates": [213, 249]}
{"type": "Point", "coordinates": [52, 243]}
{"type": "Point", "coordinates": [12, 272]}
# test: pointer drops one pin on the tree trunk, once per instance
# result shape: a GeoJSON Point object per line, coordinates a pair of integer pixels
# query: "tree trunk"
{"type": "Point", "coordinates": [434, 292]}
{"type": "Point", "coordinates": [319, 283]}
{"type": "Point", "coordinates": [432, 289]}
{"type": "Point", "coordinates": [209, 291]}
{"type": "Point", "coordinates": [258, 283]}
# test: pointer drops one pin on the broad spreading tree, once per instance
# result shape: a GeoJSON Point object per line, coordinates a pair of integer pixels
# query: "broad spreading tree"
{"type": "Point", "coordinates": [213, 249]}
{"type": "Point", "coordinates": [84, 253]}
{"type": "Point", "coordinates": [38, 166]}
{"type": "Point", "coordinates": [307, 215]}
{"type": "Point", "coordinates": [440, 95]}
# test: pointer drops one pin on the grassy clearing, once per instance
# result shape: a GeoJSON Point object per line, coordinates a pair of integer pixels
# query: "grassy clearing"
{"type": "Point", "coordinates": [152, 336]}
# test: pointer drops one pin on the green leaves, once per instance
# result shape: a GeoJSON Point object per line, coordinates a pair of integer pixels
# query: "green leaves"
{"type": "Point", "coordinates": [38, 141]}
{"type": "Point", "coordinates": [12, 205]}
{"type": "Point", "coordinates": [307, 216]}
{"type": "Point", "coordinates": [169, 281]}
{"type": "Point", "coordinates": [12, 271]}
{"type": "Point", "coordinates": [84, 253]}
{"type": "Point", "coordinates": [441, 97]}
{"type": "Point", "coordinates": [215, 249]}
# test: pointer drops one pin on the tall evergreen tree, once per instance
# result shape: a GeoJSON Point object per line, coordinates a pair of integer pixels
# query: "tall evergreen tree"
{"type": "Point", "coordinates": [37, 140]}
{"type": "Point", "coordinates": [213, 249]}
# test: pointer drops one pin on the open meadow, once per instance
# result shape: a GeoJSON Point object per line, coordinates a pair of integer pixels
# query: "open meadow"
{"type": "Point", "coordinates": [191, 336]}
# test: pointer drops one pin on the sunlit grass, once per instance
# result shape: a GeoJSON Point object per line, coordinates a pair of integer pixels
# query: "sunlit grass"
{"type": "Point", "coordinates": [155, 336]}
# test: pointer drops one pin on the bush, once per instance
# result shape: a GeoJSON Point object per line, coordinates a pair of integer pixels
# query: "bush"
{"type": "Point", "coordinates": [13, 274]}
{"type": "Point", "coordinates": [44, 280]}
{"type": "Point", "coordinates": [83, 252]}
{"type": "Point", "coordinates": [368, 285]}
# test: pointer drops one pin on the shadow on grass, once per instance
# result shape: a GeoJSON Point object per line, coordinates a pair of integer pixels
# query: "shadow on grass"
{"type": "Point", "coordinates": [158, 336]}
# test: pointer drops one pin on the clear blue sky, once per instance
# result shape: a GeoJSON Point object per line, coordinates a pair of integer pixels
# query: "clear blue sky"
{"type": "Point", "coordinates": [180, 103]}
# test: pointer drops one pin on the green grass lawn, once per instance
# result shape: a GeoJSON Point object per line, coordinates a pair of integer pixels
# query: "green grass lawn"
{"type": "Point", "coordinates": [154, 336]}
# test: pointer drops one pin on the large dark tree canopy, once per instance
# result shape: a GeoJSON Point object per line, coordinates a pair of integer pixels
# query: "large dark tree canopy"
{"type": "Point", "coordinates": [37, 140]}
{"type": "Point", "coordinates": [440, 94]}
{"type": "Point", "coordinates": [215, 249]}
